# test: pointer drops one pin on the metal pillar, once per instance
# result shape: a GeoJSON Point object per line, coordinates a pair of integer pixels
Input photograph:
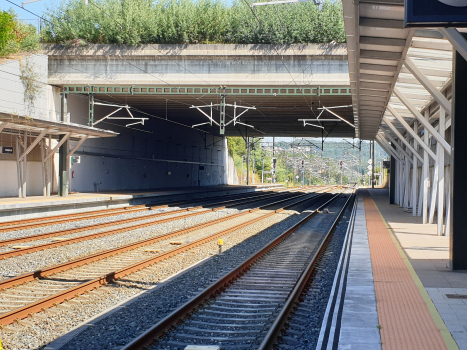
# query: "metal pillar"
{"type": "Point", "coordinates": [396, 183]}
{"type": "Point", "coordinates": [273, 155]}
{"type": "Point", "coordinates": [44, 170]}
{"type": "Point", "coordinates": [372, 146]}
{"type": "Point", "coordinates": [49, 168]}
{"type": "Point", "coordinates": [18, 168]}
{"type": "Point", "coordinates": [247, 158]}
{"type": "Point", "coordinates": [458, 238]}
{"type": "Point", "coordinates": [401, 182]}
{"type": "Point", "coordinates": [62, 152]}
{"type": "Point", "coordinates": [262, 173]}
{"type": "Point", "coordinates": [91, 109]}
{"type": "Point", "coordinates": [406, 184]}
{"type": "Point", "coordinates": [253, 172]}
{"type": "Point", "coordinates": [222, 113]}
{"type": "Point", "coordinates": [243, 174]}
{"type": "Point", "coordinates": [24, 176]}
{"type": "Point", "coordinates": [440, 152]}
{"type": "Point", "coordinates": [414, 173]}
{"type": "Point", "coordinates": [425, 174]}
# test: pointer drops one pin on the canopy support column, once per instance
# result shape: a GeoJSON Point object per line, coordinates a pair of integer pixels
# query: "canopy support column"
{"type": "Point", "coordinates": [425, 174]}
{"type": "Point", "coordinates": [440, 151]}
{"type": "Point", "coordinates": [414, 174]}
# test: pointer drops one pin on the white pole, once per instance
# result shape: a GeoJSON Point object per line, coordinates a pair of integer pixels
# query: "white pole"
{"type": "Point", "coordinates": [25, 165]}
{"type": "Point", "coordinates": [448, 200]}
{"type": "Point", "coordinates": [44, 176]}
{"type": "Point", "coordinates": [407, 183]}
{"type": "Point", "coordinates": [414, 173]}
{"type": "Point", "coordinates": [49, 171]}
{"type": "Point", "coordinates": [425, 174]}
{"type": "Point", "coordinates": [434, 187]}
{"type": "Point", "coordinates": [440, 151]}
{"type": "Point", "coordinates": [18, 168]}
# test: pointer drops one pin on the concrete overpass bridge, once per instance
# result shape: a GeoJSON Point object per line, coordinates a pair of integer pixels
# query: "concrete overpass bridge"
{"type": "Point", "coordinates": [284, 84]}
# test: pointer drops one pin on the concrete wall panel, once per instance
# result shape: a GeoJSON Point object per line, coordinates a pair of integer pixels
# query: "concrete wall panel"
{"type": "Point", "coordinates": [320, 64]}
{"type": "Point", "coordinates": [155, 155]}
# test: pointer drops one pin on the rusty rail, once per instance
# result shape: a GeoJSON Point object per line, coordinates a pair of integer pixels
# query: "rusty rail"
{"type": "Point", "coordinates": [14, 281]}
{"type": "Point", "coordinates": [40, 222]}
{"type": "Point", "coordinates": [32, 249]}
{"type": "Point", "coordinates": [11, 225]}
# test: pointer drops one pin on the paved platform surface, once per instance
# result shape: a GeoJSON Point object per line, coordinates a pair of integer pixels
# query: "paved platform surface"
{"type": "Point", "coordinates": [12, 203]}
{"type": "Point", "coordinates": [359, 329]}
{"type": "Point", "coordinates": [400, 292]}
{"type": "Point", "coordinates": [407, 319]}
{"type": "Point", "coordinates": [428, 254]}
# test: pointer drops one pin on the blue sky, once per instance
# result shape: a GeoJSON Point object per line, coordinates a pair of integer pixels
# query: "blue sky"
{"type": "Point", "coordinates": [38, 8]}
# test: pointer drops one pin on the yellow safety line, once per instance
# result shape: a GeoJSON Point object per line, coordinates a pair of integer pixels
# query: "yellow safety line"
{"type": "Point", "coordinates": [447, 336]}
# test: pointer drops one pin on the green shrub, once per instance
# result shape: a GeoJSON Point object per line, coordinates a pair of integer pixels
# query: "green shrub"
{"type": "Point", "coordinates": [135, 22]}
{"type": "Point", "coordinates": [6, 29]}
{"type": "Point", "coordinates": [16, 36]}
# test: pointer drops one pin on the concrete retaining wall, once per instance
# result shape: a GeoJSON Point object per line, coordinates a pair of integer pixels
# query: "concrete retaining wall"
{"type": "Point", "coordinates": [157, 155]}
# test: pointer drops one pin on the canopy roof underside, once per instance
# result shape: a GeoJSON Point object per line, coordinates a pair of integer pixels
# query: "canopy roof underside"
{"type": "Point", "coordinates": [388, 64]}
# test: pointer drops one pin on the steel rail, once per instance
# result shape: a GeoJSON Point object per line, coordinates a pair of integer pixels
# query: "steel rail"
{"type": "Point", "coordinates": [27, 224]}
{"type": "Point", "coordinates": [31, 249]}
{"type": "Point", "coordinates": [281, 319]}
{"type": "Point", "coordinates": [167, 322]}
{"type": "Point", "coordinates": [13, 223]}
{"type": "Point", "coordinates": [49, 218]}
{"type": "Point", "coordinates": [40, 305]}
{"type": "Point", "coordinates": [14, 281]}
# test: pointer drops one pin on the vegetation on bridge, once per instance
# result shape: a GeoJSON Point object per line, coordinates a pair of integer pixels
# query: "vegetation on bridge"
{"type": "Point", "coordinates": [16, 36]}
{"type": "Point", "coordinates": [136, 22]}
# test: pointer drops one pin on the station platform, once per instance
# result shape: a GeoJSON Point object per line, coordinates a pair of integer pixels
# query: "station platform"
{"type": "Point", "coordinates": [397, 290]}
{"type": "Point", "coordinates": [13, 208]}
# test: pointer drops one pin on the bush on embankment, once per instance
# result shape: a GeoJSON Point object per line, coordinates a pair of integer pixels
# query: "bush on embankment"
{"type": "Point", "coordinates": [135, 22]}
{"type": "Point", "coordinates": [16, 36]}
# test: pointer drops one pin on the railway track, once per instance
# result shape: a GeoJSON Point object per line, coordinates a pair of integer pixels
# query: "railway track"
{"type": "Point", "coordinates": [59, 219]}
{"type": "Point", "coordinates": [56, 284]}
{"type": "Point", "coordinates": [17, 251]}
{"type": "Point", "coordinates": [73, 263]}
{"type": "Point", "coordinates": [247, 308]}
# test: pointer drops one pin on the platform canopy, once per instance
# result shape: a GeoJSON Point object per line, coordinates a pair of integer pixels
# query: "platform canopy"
{"type": "Point", "coordinates": [397, 74]}
{"type": "Point", "coordinates": [14, 124]}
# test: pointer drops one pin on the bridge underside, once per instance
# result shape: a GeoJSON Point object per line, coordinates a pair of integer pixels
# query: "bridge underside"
{"type": "Point", "coordinates": [277, 113]}
{"type": "Point", "coordinates": [284, 84]}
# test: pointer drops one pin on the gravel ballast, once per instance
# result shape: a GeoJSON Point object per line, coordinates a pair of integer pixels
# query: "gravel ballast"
{"type": "Point", "coordinates": [149, 307]}
{"type": "Point", "coordinates": [34, 261]}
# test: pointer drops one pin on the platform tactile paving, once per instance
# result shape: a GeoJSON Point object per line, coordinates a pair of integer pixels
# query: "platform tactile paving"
{"type": "Point", "coordinates": [405, 320]}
